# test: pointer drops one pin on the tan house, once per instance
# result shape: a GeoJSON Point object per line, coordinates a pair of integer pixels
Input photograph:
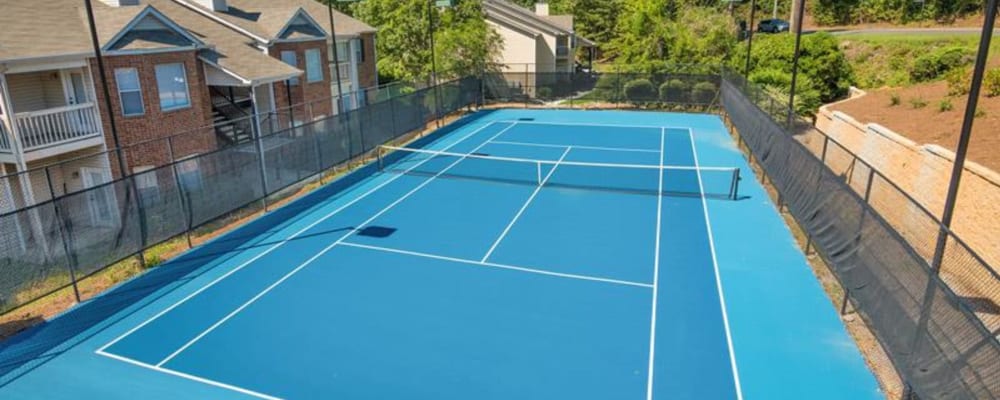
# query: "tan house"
{"type": "Point", "coordinates": [534, 41]}
{"type": "Point", "coordinates": [172, 66]}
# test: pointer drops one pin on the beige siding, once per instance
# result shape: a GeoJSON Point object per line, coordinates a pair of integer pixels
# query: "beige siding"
{"type": "Point", "coordinates": [36, 91]}
{"type": "Point", "coordinates": [546, 54]}
{"type": "Point", "coordinates": [65, 173]}
{"type": "Point", "coordinates": [519, 50]}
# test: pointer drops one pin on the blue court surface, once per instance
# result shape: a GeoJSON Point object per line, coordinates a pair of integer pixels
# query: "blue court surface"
{"type": "Point", "coordinates": [521, 254]}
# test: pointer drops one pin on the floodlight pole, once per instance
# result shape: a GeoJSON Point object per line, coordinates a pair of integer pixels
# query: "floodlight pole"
{"type": "Point", "coordinates": [104, 86]}
{"type": "Point", "coordinates": [795, 60]}
{"type": "Point", "coordinates": [437, 90]}
{"type": "Point", "coordinates": [753, 11]}
{"type": "Point", "coordinates": [336, 58]}
{"type": "Point", "coordinates": [963, 140]}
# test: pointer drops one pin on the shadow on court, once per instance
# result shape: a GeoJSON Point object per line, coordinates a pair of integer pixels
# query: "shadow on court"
{"type": "Point", "coordinates": [46, 340]}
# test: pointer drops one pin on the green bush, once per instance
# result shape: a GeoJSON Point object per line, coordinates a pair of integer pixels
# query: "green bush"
{"type": "Point", "coordinates": [673, 91]}
{"type": "Point", "coordinates": [894, 99]}
{"type": "Point", "coordinates": [945, 105]}
{"type": "Point", "coordinates": [544, 92]}
{"type": "Point", "coordinates": [704, 92]}
{"type": "Point", "coordinates": [918, 102]}
{"type": "Point", "coordinates": [823, 63]}
{"type": "Point", "coordinates": [640, 90]}
{"type": "Point", "coordinates": [608, 87]}
{"type": "Point", "coordinates": [992, 82]}
{"type": "Point", "coordinates": [959, 80]}
{"type": "Point", "coordinates": [934, 64]}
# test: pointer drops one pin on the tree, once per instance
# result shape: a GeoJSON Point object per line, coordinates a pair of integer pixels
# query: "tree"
{"type": "Point", "coordinates": [651, 36]}
{"type": "Point", "coordinates": [824, 72]}
{"type": "Point", "coordinates": [464, 43]}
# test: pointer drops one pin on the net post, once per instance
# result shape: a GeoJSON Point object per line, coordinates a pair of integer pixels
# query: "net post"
{"type": "Point", "coordinates": [538, 167]}
{"type": "Point", "coordinates": [735, 189]}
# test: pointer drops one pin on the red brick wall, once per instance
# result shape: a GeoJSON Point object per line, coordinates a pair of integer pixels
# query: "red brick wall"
{"type": "Point", "coordinates": [155, 125]}
{"type": "Point", "coordinates": [367, 73]}
{"type": "Point", "coordinates": [309, 99]}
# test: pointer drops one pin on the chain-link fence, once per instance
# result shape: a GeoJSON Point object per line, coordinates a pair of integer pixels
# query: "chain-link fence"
{"type": "Point", "coordinates": [883, 248]}
{"type": "Point", "coordinates": [53, 244]}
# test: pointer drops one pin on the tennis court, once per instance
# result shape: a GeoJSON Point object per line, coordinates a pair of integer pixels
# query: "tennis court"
{"type": "Point", "coordinates": [526, 254]}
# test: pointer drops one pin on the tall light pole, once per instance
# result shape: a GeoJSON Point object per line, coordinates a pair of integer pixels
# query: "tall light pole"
{"type": "Point", "coordinates": [795, 60]}
{"type": "Point", "coordinates": [753, 11]}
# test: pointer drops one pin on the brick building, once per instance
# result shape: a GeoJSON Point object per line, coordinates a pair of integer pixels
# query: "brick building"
{"type": "Point", "coordinates": [185, 77]}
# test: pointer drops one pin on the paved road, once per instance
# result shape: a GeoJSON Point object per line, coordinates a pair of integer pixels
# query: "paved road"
{"type": "Point", "coordinates": [894, 31]}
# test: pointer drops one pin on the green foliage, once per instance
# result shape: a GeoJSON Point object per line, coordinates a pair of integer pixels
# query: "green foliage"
{"type": "Point", "coordinates": [544, 92]}
{"type": "Point", "coordinates": [704, 92]}
{"type": "Point", "coordinates": [464, 43]}
{"type": "Point", "coordinates": [932, 65]}
{"type": "Point", "coordinates": [651, 34]}
{"type": "Point", "coordinates": [825, 73]}
{"type": "Point", "coordinates": [959, 81]}
{"type": "Point", "coordinates": [918, 102]}
{"type": "Point", "coordinates": [980, 113]}
{"type": "Point", "coordinates": [608, 87]}
{"type": "Point", "coordinates": [842, 12]}
{"type": "Point", "coordinates": [894, 99]}
{"type": "Point", "coordinates": [992, 82]}
{"type": "Point", "coordinates": [945, 105]}
{"type": "Point", "coordinates": [673, 91]}
{"type": "Point", "coordinates": [640, 90]}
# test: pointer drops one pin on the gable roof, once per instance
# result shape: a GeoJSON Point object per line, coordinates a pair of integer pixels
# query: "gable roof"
{"type": "Point", "coordinates": [122, 29]}
{"type": "Point", "coordinates": [26, 32]}
{"type": "Point", "coordinates": [264, 19]}
{"type": "Point", "coordinates": [521, 18]}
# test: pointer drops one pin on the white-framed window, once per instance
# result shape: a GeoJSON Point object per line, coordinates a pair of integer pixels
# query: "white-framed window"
{"type": "Point", "coordinates": [129, 91]}
{"type": "Point", "coordinates": [343, 51]}
{"type": "Point", "coordinates": [190, 175]}
{"type": "Point", "coordinates": [289, 57]}
{"type": "Point", "coordinates": [171, 80]}
{"type": "Point", "coordinates": [145, 181]}
{"type": "Point", "coordinates": [314, 65]}
{"type": "Point", "coordinates": [359, 50]}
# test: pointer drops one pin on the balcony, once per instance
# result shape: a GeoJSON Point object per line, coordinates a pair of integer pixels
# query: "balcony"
{"type": "Point", "coordinates": [52, 131]}
{"type": "Point", "coordinates": [562, 51]}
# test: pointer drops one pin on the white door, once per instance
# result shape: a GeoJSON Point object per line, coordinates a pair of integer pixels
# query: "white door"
{"type": "Point", "coordinates": [101, 202]}
{"type": "Point", "coordinates": [76, 93]}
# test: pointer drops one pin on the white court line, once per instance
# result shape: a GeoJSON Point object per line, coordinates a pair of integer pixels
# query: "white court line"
{"type": "Point", "coordinates": [525, 206]}
{"type": "Point", "coordinates": [188, 376]}
{"type": "Point", "coordinates": [316, 256]}
{"type": "Point", "coordinates": [519, 122]}
{"type": "Point", "coordinates": [272, 248]}
{"type": "Point", "coordinates": [500, 266]}
{"type": "Point", "coordinates": [718, 277]}
{"type": "Point", "coordinates": [656, 274]}
{"type": "Point", "coordinates": [575, 146]}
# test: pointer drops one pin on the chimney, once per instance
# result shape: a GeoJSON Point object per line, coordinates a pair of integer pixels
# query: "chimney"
{"type": "Point", "coordinates": [214, 5]}
{"type": "Point", "coordinates": [542, 8]}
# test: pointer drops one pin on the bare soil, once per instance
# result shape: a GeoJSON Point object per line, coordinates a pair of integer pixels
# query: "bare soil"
{"type": "Point", "coordinates": [928, 124]}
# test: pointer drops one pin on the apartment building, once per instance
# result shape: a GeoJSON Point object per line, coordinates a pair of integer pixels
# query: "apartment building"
{"type": "Point", "coordinates": [534, 41]}
{"type": "Point", "coordinates": [172, 66]}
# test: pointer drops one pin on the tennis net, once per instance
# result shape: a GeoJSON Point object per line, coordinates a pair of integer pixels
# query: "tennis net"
{"type": "Point", "coordinates": [714, 182]}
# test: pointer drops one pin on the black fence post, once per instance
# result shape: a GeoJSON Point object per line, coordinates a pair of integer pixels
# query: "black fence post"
{"type": "Point", "coordinates": [70, 259]}
{"type": "Point", "coordinates": [185, 200]}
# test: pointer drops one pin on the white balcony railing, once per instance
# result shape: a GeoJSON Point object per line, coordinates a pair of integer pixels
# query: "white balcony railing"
{"type": "Point", "coordinates": [4, 136]}
{"type": "Point", "coordinates": [53, 126]}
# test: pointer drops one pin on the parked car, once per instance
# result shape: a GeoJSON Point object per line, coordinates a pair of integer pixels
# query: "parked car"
{"type": "Point", "coordinates": [773, 26]}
